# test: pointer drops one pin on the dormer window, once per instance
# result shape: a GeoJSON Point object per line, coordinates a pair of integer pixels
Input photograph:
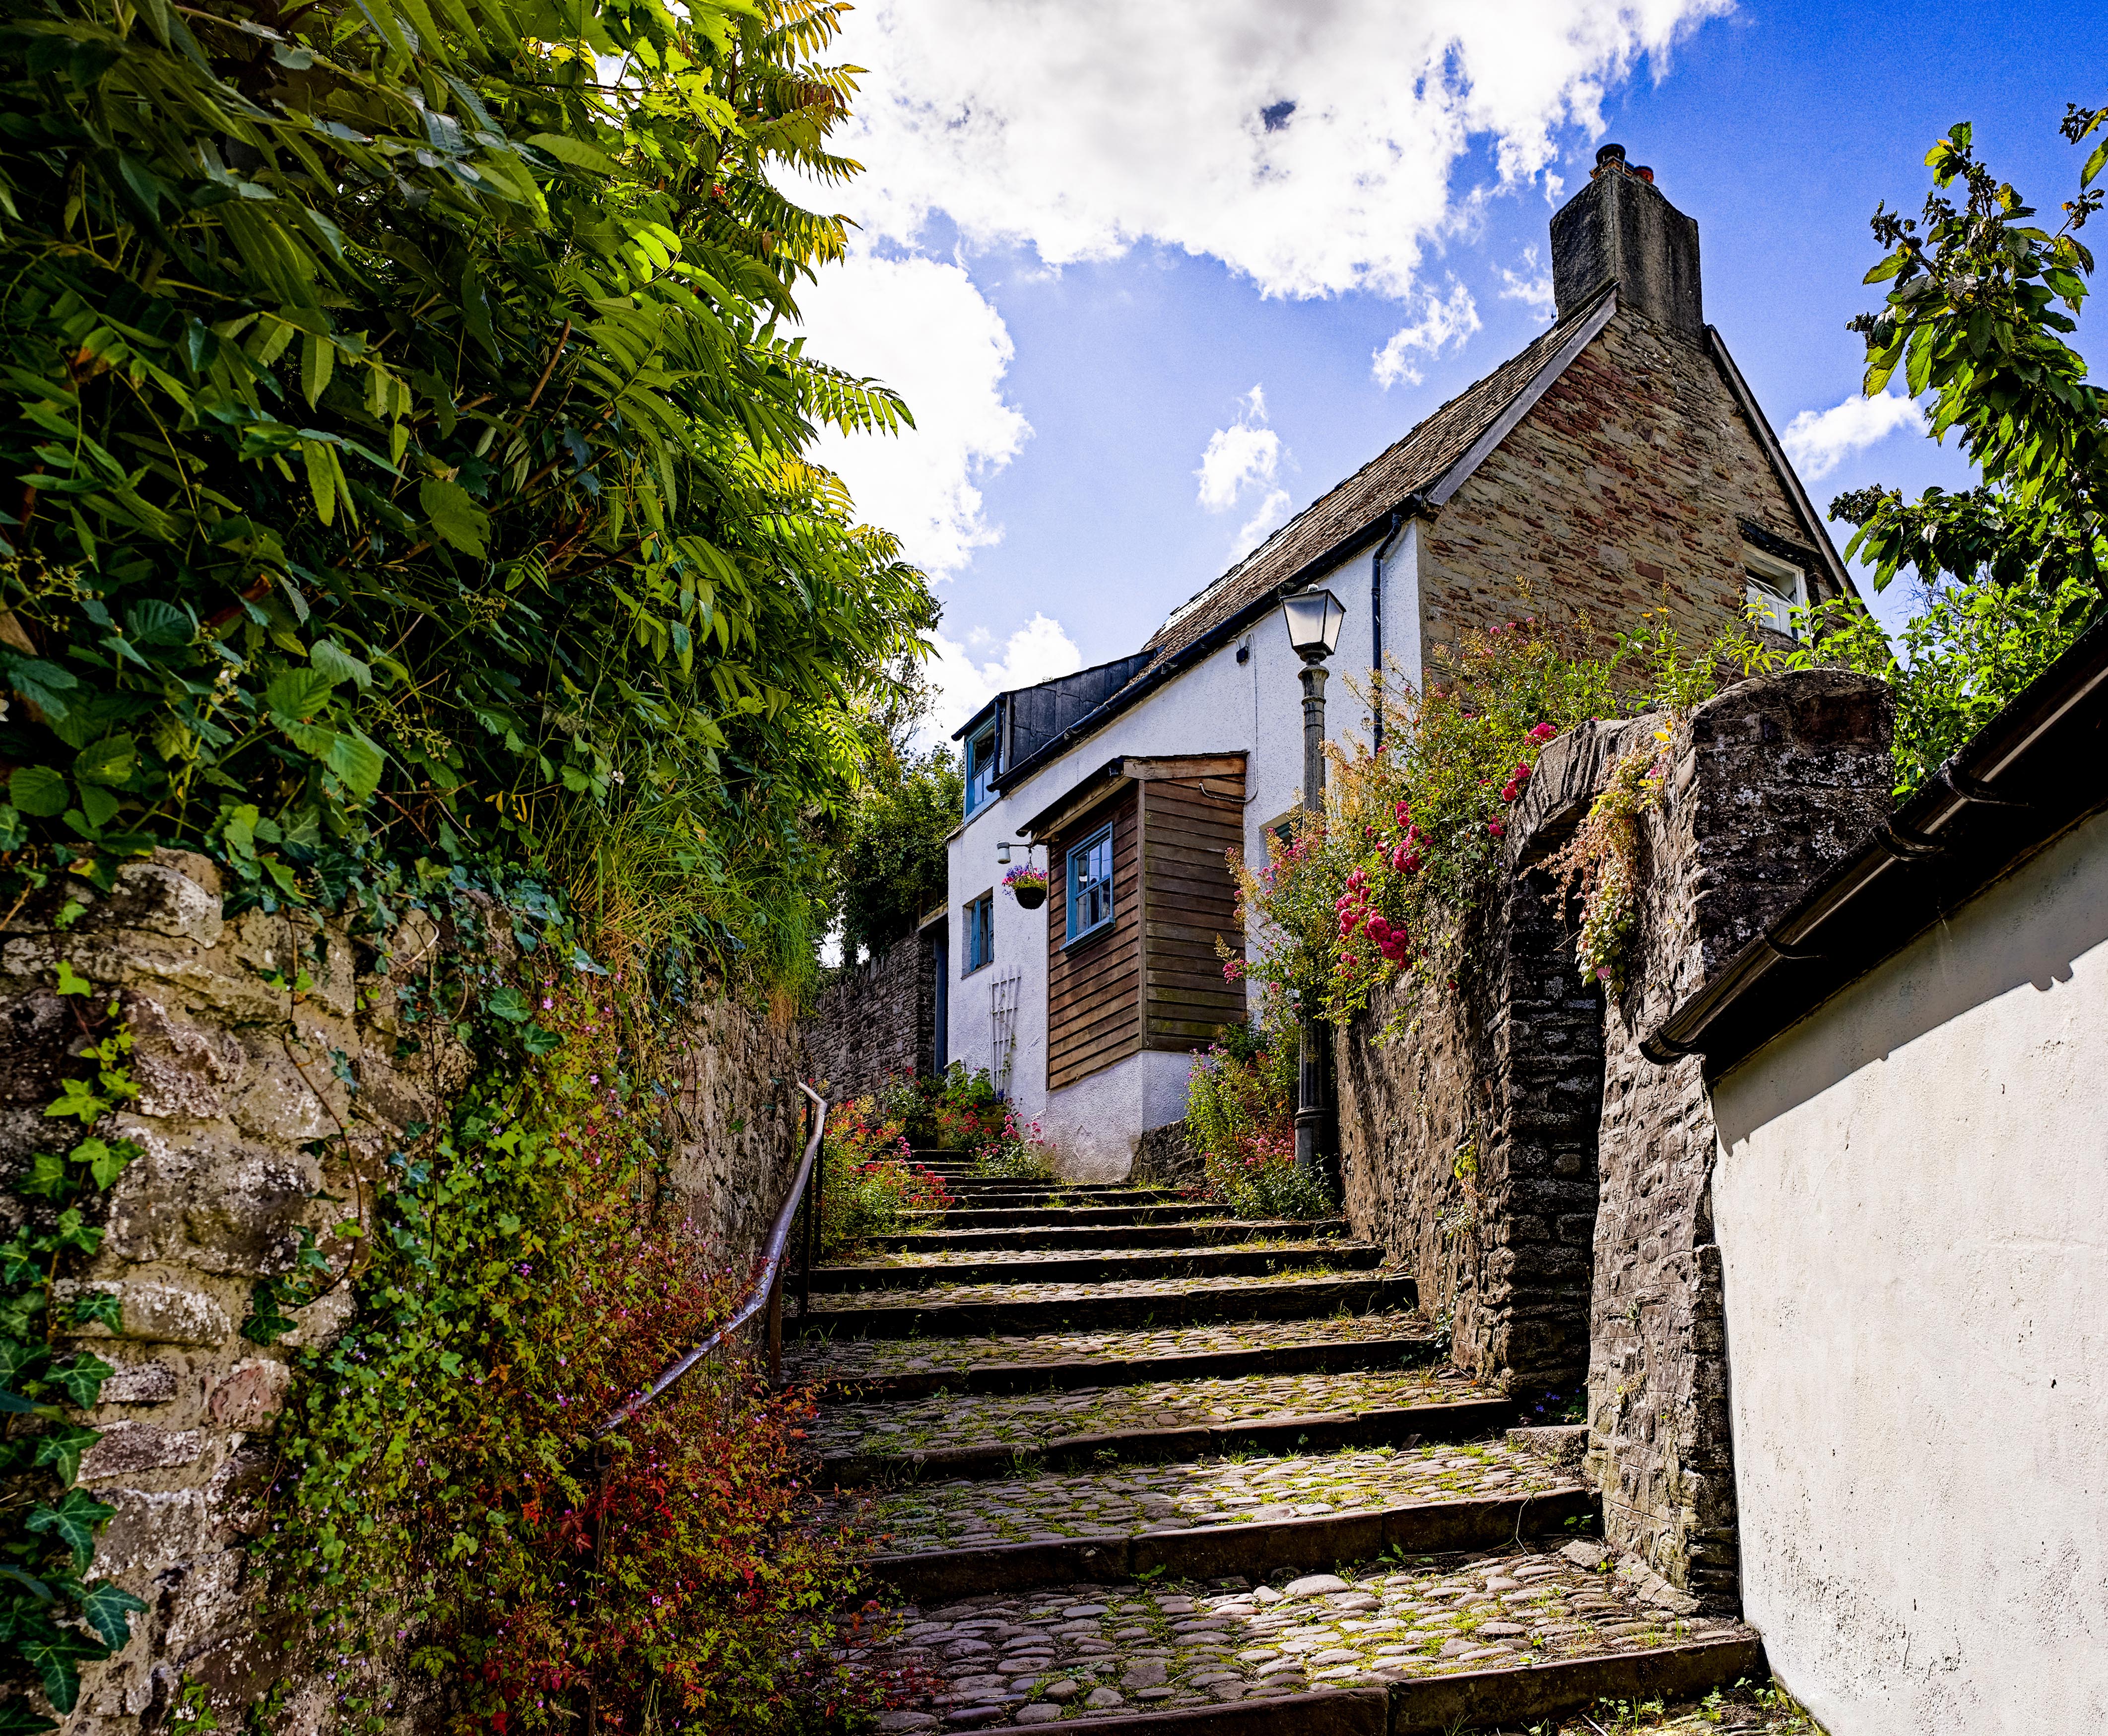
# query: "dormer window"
{"type": "Point", "coordinates": [1774, 588]}
{"type": "Point", "coordinates": [981, 768]}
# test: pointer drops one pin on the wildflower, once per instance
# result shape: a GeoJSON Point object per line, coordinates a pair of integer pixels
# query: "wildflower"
{"type": "Point", "coordinates": [1496, 828]}
{"type": "Point", "coordinates": [1543, 733]}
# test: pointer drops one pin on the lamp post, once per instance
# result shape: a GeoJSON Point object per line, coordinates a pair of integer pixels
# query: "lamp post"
{"type": "Point", "coordinates": [1312, 620]}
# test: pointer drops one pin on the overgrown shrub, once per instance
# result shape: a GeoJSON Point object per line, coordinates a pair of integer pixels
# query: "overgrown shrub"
{"type": "Point", "coordinates": [871, 1182]}
{"type": "Point", "coordinates": [522, 1272]}
{"type": "Point", "coordinates": [415, 514]}
{"type": "Point", "coordinates": [955, 1111]}
{"type": "Point", "coordinates": [1240, 1111]}
{"type": "Point", "coordinates": [1017, 1153]}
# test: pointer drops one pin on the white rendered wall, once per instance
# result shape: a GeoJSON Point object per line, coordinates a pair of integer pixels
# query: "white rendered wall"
{"type": "Point", "coordinates": [1218, 706]}
{"type": "Point", "coordinates": [1911, 1201]}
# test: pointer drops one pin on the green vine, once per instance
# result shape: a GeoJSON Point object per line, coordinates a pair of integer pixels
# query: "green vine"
{"type": "Point", "coordinates": [51, 1621]}
{"type": "Point", "coordinates": [1602, 861]}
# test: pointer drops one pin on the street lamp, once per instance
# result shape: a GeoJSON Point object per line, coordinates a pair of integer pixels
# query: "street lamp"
{"type": "Point", "coordinates": [1312, 619]}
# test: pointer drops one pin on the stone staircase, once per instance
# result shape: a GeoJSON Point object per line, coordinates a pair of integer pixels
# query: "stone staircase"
{"type": "Point", "coordinates": [1133, 1462]}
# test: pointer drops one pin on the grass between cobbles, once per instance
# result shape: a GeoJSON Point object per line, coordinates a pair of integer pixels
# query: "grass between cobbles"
{"type": "Point", "coordinates": [1137, 1647]}
{"type": "Point", "coordinates": [1231, 1490]}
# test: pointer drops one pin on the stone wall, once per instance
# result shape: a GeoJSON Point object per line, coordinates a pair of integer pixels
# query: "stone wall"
{"type": "Point", "coordinates": [1623, 490]}
{"type": "Point", "coordinates": [875, 1020]}
{"type": "Point", "coordinates": [237, 1081]}
{"type": "Point", "coordinates": [1168, 1156]}
{"type": "Point", "coordinates": [1468, 1116]}
{"type": "Point", "coordinates": [1770, 784]}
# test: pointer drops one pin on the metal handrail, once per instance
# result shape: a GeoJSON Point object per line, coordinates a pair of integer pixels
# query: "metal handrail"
{"type": "Point", "coordinates": [765, 1290]}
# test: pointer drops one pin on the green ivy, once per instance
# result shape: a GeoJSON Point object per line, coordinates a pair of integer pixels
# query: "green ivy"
{"type": "Point", "coordinates": [51, 1621]}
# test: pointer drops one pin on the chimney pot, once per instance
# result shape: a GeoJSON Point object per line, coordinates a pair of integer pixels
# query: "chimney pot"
{"type": "Point", "coordinates": [1609, 153]}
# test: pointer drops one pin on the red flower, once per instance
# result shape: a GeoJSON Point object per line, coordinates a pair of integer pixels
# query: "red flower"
{"type": "Point", "coordinates": [1496, 828]}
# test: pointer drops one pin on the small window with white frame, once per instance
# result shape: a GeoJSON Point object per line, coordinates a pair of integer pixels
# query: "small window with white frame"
{"type": "Point", "coordinates": [1091, 884]}
{"type": "Point", "coordinates": [1773, 588]}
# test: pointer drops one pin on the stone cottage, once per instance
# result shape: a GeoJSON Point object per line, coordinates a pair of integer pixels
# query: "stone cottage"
{"type": "Point", "coordinates": [1618, 464]}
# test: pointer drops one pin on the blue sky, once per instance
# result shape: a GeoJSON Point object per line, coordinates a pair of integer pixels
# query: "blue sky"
{"type": "Point", "coordinates": [1778, 127]}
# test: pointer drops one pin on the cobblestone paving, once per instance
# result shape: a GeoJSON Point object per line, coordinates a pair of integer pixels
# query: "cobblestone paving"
{"type": "Point", "coordinates": [919, 1258]}
{"type": "Point", "coordinates": [1050, 1505]}
{"type": "Point", "coordinates": [1080, 1651]}
{"type": "Point", "coordinates": [853, 1302]}
{"type": "Point", "coordinates": [1025, 1419]}
{"type": "Point", "coordinates": [877, 1358]}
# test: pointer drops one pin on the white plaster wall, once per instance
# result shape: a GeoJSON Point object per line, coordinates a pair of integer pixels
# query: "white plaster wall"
{"type": "Point", "coordinates": [1217, 706]}
{"type": "Point", "coordinates": [1911, 1201]}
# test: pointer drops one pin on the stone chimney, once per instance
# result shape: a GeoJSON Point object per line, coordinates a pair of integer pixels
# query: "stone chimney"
{"type": "Point", "coordinates": [1621, 226]}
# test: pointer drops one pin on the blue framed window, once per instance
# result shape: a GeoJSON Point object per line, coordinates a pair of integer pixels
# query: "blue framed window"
{"type": "Point", "coordinates": [1091, 884]}
{"type": "Point", "coordinates": [980, 769]}
{"type": "Point", "coordinates": [980, 933]}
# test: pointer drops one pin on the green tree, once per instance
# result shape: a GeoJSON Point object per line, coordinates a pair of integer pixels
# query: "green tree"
{"type": "Point", "coordinates": [891, 869]}
{"type": "Point", "coordinates": [1981, 301]}
{"type": "Point", "coordinates": [411, 455]}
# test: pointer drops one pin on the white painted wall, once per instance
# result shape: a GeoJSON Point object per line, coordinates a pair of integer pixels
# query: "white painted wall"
{"type": "Point", "coordinates": [1218, 706]}
{"type": "Point", "coordinates": [1911, 1199]}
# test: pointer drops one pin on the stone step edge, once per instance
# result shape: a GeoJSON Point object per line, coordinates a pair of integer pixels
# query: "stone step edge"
{"type": "Point", "coordinates": [1087, 1266]}
{"type": "Point", "coordinates": [1320, 1356]}
{"type": "Point", "coordinates": [1048, 1214]}
{"type": "Point", "coordinates": [1226, 1229]}
{"type": "Point", "coordinates": [1297, 1299]}
{"type": "Point", "coordinates": [1211, 1551]}
{"type": "Point", "coordinates": [1317, 1431]}
{"type": "Point", "coordinates": [1470, 1699]}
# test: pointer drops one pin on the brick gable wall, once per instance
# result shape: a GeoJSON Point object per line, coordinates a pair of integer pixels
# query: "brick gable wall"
{"type": "Point", "coordinates": [1622, 487]}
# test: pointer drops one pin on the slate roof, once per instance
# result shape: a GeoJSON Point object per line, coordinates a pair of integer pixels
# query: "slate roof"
{"type": "Point", "coordinates": [1412, 466]}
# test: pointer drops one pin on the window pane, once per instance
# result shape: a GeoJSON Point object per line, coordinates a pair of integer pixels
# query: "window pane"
{"type": "Point", "coordinates": [981, 768]}
{"type": "Point", "coordinates": [1090, 884]}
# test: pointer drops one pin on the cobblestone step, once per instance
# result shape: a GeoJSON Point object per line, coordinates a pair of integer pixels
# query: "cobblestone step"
{"type": "Point", "coordinates": [1113, 1265]}
{"type": "Point", "coordinates": [962, 1310]}
{"type": "Point", "coordinates": [1037, 1420]}
{"type": "Point", "coordinates": [868, 1369]}
{"type": "Point", "coordinates": [976, 1216]}
{"type": "Point", "coordinates": [1167, 1435]}
{"type": "Point", "coordinates": [1146, 1235]}
{"type": "Point", "coordinates": [1452, 1640]}
{"type": "Point", "coordinates": [1276, 1499]}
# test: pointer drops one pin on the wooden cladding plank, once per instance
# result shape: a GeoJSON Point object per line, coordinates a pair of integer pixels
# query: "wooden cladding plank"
{"type": "Point", "coordinates": [1094, 989]}
{"type": "Point", "coordinates": [1190, 900]}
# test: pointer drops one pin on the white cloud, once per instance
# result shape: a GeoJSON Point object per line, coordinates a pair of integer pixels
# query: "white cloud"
{"type": "Point", "coordinates": [1243, 459]}
{"type": "Point", "coordinates": [1037, 652]}
{"type": "Point", "coordinates": [922, 326]}
{"type": "Point", "coordinates": [1531, 286]}
{"type": "Point", "coordinates": [1818, 441]}
{"type": "Point", "coordinates": [1309, 146]}
{"type": "Point", "coordinates": [1245, 454]}
{"type": "Point", "coordinates": [1444, 322]}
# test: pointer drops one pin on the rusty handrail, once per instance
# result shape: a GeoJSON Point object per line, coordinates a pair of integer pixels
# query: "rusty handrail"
{"type": "Point", "coordinates": [766, 1289]}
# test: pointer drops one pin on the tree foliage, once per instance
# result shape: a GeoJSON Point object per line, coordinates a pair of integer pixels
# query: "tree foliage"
{"type": "Point", "coordinates": [891, 867]}
{"type": "Point", "coordinates": [1980, 304]}
{"type": "Point", "coordinates": [410, 452]}
{"type": "Point", "coordinates": [2016, 569]}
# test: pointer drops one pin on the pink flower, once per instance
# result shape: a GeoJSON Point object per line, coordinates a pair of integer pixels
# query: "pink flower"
{"type": "Point", "coordinates": [1543, 733]}
{"type": "Point", "coordinates": [1378, 930]}
{"type": "Point", "coordinates": [1404, 812]}
{"type": "Point", "coordinates": [1521, 773]}
{"type": "Point", "coordinates": [1509, 792]}
{"type": "Point", "coordinates": [1496, 828]}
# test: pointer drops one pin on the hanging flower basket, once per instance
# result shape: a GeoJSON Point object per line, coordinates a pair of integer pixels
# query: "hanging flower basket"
{"type": "Point", "coordinates": [1027, 886]}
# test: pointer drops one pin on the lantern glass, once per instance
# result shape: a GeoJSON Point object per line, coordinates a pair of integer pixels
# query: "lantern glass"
{"type": "Point", "coordinates": [1313, 619]}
